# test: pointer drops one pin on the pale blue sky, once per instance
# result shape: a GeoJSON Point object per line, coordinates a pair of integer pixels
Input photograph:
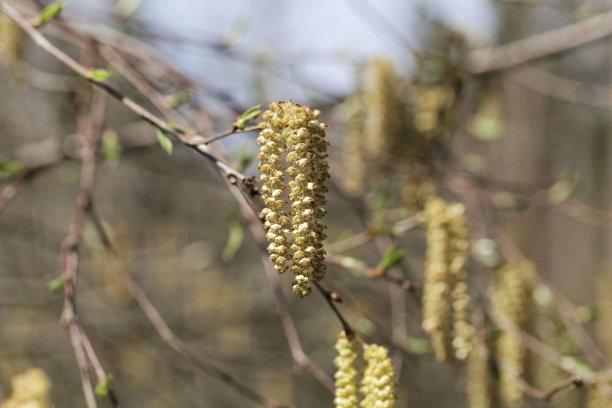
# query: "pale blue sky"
{"type": "Point", "coordinates": [320, 39]}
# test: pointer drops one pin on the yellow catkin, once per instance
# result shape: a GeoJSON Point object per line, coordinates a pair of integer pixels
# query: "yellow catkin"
{"type": "Point", "coordinates": [445, 296]}
{"type": "Point", "coordinates": [513, 299]}
{"type": "Point", "coordinates": [346, 373]}
{"type": "Point", "coordinates": [11, 42]}
{"type": "Point", "coordinates": [384, 121]}
{"type": "Point", "coordinates": [352, 153]}
{"type": "Point", "coordinates": [30, 390]}
{"type": "Point", "coordinates": [481, 382]}
{"type": "Point", "coordinates": [292, 135]}
{"type": "Point", "coordinates": [378, 382]}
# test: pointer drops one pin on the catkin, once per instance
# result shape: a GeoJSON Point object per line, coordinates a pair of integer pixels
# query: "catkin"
{"type": "Point", "coordinates": [346, 373]}
{"type": "Point", "coordinates": [352, 154]}
{"type": "Point", "coordinates": [293, 136]}
{"type": "Point", "coordinates": [481, 383]}
{"type": "Point", "coordinates": [378, 383]}
{"type": "Point", "coordinates": [445, 296]}
{"type": "Point", "coordinates": [513, 299]}
{"type": "Point", "coordinates": [11, 42]}
{"type": "Point", "coordinates": [30, 390]}
{"type": "Point", "coordinates": [384, 120]}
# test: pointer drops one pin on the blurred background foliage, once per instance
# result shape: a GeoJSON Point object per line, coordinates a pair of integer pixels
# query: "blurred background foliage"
{"type": "Point", "coordinates": [525, 149]}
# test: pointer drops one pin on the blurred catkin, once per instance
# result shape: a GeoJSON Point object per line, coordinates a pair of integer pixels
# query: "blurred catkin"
{"type": "Point", "coordinates": [445, 297]}
{"type": "Point", "coordinates": [352, 154]}
{"type": "Point", "coordinates": [30, 390]}
{"type": "Point", "coordinates": [596, 400]}
{"type": "Point", "coordinates": [385, 109]}
{"type": "Point", "coordinates": [378, 383]}
{"type": "Point", "coordinates": [346, 373]}
{"type": "Point", "coordinates": [292, 135]}
{"type": "Point", "coordinates": [11, 44]}
{"type": "Point", "coordinates": [513, 298]}
{"type": "Point", "coordinates": [481, 381]}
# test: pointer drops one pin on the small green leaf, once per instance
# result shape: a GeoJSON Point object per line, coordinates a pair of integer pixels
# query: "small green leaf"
{"type": "Point", "coordinates": [392, 257]}
{"type": "Point", "coordinates": [234, 241]}
{"type": "Point", "coordinates": [103, 387]}
{"type": "Point", "coordinates": [98, 75]}
{"type": "Point", "coordinates": [176, 127]}
{"type": "Point", "coordinates": [164, 141]}
{"type": "Point", "coordinates": [111, 149]}
{"type": "Point", "coordinates": [247, 117]}
{"type": "Point", "coordinates": [56, 284]}
{"type": "Point", "coordinates": [178, 98]}
{"type": "Point", "coordinates": [9, 168]}
{"type": "Point", "coordinates": [49, 13]}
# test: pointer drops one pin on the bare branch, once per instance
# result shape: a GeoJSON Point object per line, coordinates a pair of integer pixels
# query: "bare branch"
{"type": "Point", "coordinates": [540, 45]}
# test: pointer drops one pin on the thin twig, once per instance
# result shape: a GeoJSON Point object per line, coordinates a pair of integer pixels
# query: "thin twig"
{"type": "Point", "coordinates": [69, 251]}
{"type": "Point", "coordinates": [233, 131]}
{"type": "Point", "coordinates": [329, 298]}
{"type": "Point", "coordinates": [75, 338]}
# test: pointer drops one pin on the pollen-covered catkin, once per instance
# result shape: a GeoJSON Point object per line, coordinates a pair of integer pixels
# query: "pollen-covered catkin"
{"type": "Point", "coordinates": [293, 136]}
{"type": "Point", "coordinates": [346, 373]}
{"type": "Point", "coordinates": [445, 296]}
{"type": "Point", "coordinates": [378, 383]}
{"type": "Point", "coordinates": [514, 300]}
{"type": "Point", "coordinates": [481, 382]}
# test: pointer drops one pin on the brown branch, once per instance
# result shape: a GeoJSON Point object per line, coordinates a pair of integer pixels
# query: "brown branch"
{"type": "Point", "coordinates": [540, 45]}
{"type": "Point", "coordinates": [69, 251]}
{"type": "Point", "coordinates": [75, 339]}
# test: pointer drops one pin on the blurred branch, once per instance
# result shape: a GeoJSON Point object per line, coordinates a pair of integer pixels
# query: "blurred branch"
{"type": "Point", "coordinates": [70, 246]}
{"type": "Point", "coordinates": [10, 191]}
{"type": "Point", "coordinates": [164, 331]}
{"type": "Point", "coordinates": [546, 83]}
{"type": "Point", "coordinates": [540, 45]}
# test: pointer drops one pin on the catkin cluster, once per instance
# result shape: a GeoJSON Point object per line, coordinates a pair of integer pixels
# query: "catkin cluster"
{"type": "Point", "coordinates": [30, 390]}
{"type": "Point", "coordinates": [378, 380]}
{"type": "Point", "coordinates": [513, 299]}
{"type": "Point", "coordinates": [293, 144]}
{"type": "Point", "coordinates": [445, 296]}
